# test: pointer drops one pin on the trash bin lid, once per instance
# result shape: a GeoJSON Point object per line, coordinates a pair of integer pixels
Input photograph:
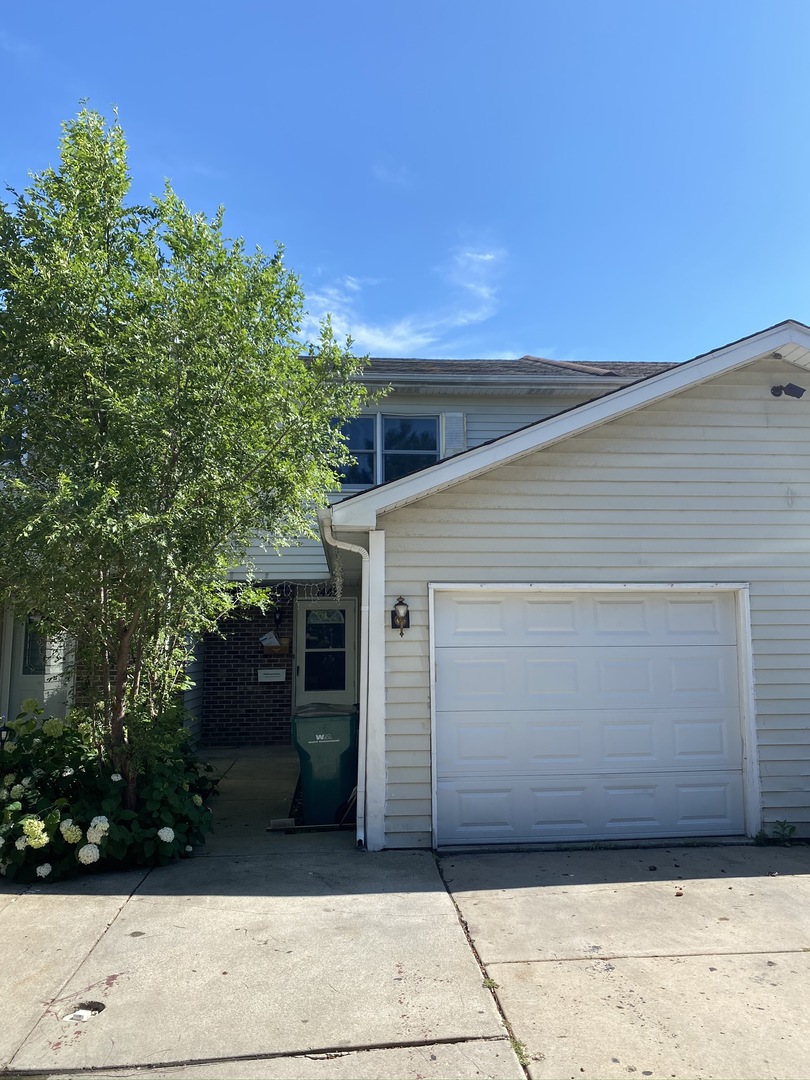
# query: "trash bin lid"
{"type": "Point", "coordinates": [324, 708]}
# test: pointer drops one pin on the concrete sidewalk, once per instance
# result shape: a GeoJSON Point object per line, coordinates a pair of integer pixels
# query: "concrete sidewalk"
{"type": "Point", "coordinates": [266, 955]}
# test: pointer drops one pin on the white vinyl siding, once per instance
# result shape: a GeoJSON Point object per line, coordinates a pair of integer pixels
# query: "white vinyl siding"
{"type": "Point", "coordinates": [712, 484]}
{"type": "Point", "coordinates": [486, 416]}
{"type": "Point", "coordinates": [301, 562]}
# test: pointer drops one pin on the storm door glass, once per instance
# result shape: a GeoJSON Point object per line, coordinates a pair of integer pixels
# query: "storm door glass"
{"type": "Point", "coordinates": [325, 651]}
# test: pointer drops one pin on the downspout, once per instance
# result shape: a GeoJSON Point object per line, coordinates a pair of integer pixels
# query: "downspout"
{"type": "Point", "coordinates": [325, 522]}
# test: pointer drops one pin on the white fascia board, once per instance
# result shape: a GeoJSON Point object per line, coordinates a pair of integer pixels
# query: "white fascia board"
{"type": "Point", "coordinates": [360, 511]}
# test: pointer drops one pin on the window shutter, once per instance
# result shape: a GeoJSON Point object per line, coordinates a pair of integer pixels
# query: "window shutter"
{"type": "Point", "coordinates": [454, 433]}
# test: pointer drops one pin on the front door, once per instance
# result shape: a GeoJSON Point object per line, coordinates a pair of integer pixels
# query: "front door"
{"type": "Point", "coordinates": [325, 652]}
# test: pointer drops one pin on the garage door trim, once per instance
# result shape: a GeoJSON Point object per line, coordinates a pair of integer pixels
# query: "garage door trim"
{"type": "Point", "coordinates": [740, 591]}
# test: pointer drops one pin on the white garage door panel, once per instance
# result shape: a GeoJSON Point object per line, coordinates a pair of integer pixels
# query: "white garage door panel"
{"type": "Point", "coordinates": [589, 808]}
{"type": "Point", "coordinates": [569, 677]}
{"type": "Point", "coordinates": [586, 715]}
{"type": "Point", "coordinates": [502, 619]}
{"type": "Point", "coordinates": [610, 740]}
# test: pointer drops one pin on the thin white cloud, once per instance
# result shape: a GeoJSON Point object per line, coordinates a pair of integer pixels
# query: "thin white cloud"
{"type": "Point", "coordinates": [470, 275]}
{"type": "Point", "coordinates": [392, 175]}
{"type": "Point", "coordinates": [17, 47]}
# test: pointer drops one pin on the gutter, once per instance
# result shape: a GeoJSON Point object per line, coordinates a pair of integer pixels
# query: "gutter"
{"type": "Point", "coordinates": [325, 524]}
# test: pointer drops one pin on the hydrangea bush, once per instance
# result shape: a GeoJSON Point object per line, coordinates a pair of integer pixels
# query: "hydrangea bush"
{"type": "Point", "coordinates": [61, 805]}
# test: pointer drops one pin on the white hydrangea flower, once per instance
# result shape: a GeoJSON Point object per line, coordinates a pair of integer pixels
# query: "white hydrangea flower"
{"type": "Point", "coordinates": [71, 833]}
{"type": "Point", "coordinates": [34, 829]}
{"type": "Point", "coordinates": [99, 827]}
{"type": "Point", "coordinates": [17, 791]}
{"type": "Point", "coordinates": [21, 843]}
{"type": "Point", "coordinates": [116, 776]}
{"type": "Point", "coordinates": [44, 869]}
{"type": "Point", "coordinates": [4, 793]}
{"type": "Point", "coordinates": [9, 779]}
{"type": "Point", "coordinates": [67, 771]}
{"type": "Point", "coordinates": [88, 854]}
{"type": "Point", "coordinates": [197, 800]}
{"type": "Point", "coordinates": [166, 834]}
{"type": "Point", "coordinates": [52, 727]}
{"type": "Point", "coordinates": [189, 847]}
{"type": "Point", "coordinates": [2, 841]}
{"type": "Point", "coordinates": [26, 781]}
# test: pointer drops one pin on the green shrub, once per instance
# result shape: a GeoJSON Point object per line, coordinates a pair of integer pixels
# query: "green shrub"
{"type": "Point", "coordinates": [62, 806]}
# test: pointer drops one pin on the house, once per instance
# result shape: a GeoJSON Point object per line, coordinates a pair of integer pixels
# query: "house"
{"type": "Point", "coordinates": [606, 572]}
{"type": "Point", "coordinates": [609, 617]}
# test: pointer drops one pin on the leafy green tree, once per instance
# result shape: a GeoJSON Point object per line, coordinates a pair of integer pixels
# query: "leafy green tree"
{"type": "Point", "coordinates": [155, 414]}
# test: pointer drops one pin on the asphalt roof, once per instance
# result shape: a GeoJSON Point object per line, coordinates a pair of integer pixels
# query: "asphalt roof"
{"type": "Point", "coordinates": [526, 366]}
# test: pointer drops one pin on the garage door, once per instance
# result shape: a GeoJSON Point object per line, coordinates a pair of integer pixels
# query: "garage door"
{"type": "Point", "coordinates": [586, 716]}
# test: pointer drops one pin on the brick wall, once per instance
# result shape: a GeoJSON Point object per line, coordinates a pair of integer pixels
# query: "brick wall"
{"type": "Point", "coordinates": [237, 708]}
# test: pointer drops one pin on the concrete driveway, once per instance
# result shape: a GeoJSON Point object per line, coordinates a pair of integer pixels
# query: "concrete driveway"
{"type": "Point", "coordinates": [657, 962]}
{"type": "Point", "coordinates": [307, 960]}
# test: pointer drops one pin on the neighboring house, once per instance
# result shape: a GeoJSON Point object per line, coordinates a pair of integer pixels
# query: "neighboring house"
{"type": "Point", "coordinates": [30, 667]}
{"type": "Point", "coordinates": [609, 617]}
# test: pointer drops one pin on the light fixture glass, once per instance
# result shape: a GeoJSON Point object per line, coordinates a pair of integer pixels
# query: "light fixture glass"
{"type": "Point", "coordinates": [400, 616]}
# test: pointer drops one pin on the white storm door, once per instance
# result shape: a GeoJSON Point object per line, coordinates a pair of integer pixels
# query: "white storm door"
{"type": "Point", "coordinates": [326, 652]}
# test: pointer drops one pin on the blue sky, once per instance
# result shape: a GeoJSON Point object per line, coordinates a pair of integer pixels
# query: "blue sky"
{"type": "Point", "coordinates": [596, 180]}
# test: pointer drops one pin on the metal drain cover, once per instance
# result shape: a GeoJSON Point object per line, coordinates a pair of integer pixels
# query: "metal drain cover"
{"type": "Point", "coordinates": [86, 1010]}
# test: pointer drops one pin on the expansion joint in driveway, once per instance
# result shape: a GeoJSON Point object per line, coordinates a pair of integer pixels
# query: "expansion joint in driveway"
{"type": "Point", "coordinates": [517, 1046]}
{"type": "Point", "coordinates": [647, 956]}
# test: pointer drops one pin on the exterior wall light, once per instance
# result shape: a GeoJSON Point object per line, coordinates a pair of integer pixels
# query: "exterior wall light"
{"type": "Point", "coordinates": [5, 735]}
{"type": "Point", "coordinates": [791, 389]}
{"type": "Point", "coordinates": [400, 616]}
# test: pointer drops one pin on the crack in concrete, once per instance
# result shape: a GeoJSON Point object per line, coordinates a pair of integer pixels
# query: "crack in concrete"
{"type": "Point", "coordinates": [324, 1052]}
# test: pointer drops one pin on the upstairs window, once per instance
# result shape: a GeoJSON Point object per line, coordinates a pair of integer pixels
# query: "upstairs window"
{"type": "Point", "coordinates": [389, 447]}
{"type": "Point", "coordinates": [408, 443]}
{"type": "Point", "coordinates": [361, 437]}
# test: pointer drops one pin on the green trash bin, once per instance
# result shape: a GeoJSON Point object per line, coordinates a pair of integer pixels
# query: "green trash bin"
{"type": "Point", "coordinates": [325, 737]}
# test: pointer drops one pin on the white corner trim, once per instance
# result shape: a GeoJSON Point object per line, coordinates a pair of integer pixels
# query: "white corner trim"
{"type": "Point", "coordinates": [434, 788]}
{"type": "Point", "coordinates": [361, 510]}
{"type": "Point", "coordinates": [375, 722]}
{"type": "Point", "coordinates": [752, 783]}
{"type": "Point", "coordinates": [6, 647]}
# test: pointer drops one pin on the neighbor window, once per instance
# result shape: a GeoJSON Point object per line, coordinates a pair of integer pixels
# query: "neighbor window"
{"type": "Point", "coordinates": [33, 658]}
{"type": "Point", "coordinates": [388, 447]}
